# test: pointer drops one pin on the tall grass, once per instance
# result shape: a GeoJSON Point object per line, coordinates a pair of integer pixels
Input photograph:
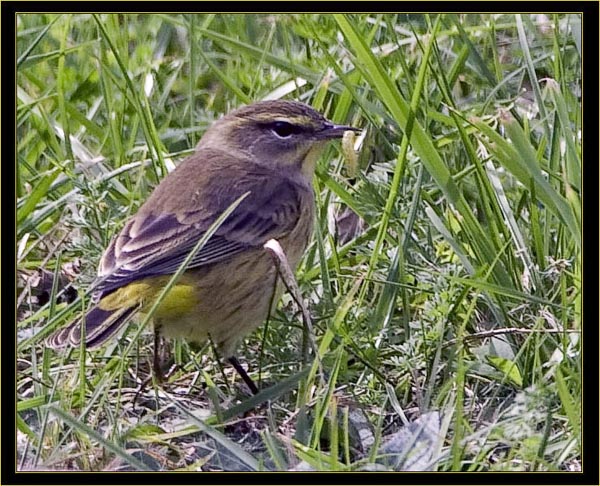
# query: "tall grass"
{"type": "Point", "coordinates": [444, 279]}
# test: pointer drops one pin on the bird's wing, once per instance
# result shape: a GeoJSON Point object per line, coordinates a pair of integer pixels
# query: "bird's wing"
{"type": "Point", "coordinates": [154, 243]}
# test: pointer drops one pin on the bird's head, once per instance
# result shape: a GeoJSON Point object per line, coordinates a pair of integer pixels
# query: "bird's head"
{"type": "Point", "coordinates": [276, 134]}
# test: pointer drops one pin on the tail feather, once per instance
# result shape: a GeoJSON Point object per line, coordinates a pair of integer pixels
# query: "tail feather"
{"type": "Point", "coordinates": [108, 323]}
{"type": "Point", "coordinates": [100, 325]}
{"type": "Point", "coordinates": [59, 339]}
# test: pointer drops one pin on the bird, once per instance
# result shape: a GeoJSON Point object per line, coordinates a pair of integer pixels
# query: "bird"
{"type": "Point", "coordinates": [266, 151]}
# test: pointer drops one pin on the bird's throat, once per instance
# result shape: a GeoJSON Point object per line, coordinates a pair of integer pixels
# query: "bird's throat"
{"type": "Point", "coordinates": [309, 162]}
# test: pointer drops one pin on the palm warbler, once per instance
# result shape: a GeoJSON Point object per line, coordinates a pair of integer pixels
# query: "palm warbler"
{"type": "Point", "coordinates": [268, 150]}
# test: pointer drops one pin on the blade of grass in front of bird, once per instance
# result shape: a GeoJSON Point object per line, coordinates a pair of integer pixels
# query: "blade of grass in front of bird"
{"type": "Point", "coordinates": [199, 245]}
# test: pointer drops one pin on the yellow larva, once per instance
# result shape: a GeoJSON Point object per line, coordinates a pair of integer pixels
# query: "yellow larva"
{"type": "Point", "coordinates": [350, 156]}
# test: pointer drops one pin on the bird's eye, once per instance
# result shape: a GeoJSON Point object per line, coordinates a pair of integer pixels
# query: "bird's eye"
{"type": "Point", "coordinates": [284, 129]}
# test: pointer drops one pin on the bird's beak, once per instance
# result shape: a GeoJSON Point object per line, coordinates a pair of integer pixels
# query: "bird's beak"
{"type": "Point", "coordinates": [332, 131]}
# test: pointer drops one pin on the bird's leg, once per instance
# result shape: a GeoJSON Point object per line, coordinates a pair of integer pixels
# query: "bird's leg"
{"type": "Point", "coordinates": [238, 367]}
{"type": "Point", "coordinates": [156, 361]}
{"type": "Point", "coordinates": [156, 368]}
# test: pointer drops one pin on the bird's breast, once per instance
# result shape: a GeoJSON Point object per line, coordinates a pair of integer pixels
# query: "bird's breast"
{"type": "Point", "coordinates": [295, 242]}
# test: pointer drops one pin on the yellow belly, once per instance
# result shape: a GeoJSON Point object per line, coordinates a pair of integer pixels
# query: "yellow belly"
{"type": "Point", "coordinates": [229, 301]}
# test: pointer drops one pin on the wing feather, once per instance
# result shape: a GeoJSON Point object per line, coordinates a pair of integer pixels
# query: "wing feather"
{"type": "Point", "coordinates": [154, 243]}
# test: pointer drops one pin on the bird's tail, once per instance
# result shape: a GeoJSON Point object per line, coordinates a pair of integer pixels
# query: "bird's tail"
{"type": "Point", "coordinates": [100, 325]}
